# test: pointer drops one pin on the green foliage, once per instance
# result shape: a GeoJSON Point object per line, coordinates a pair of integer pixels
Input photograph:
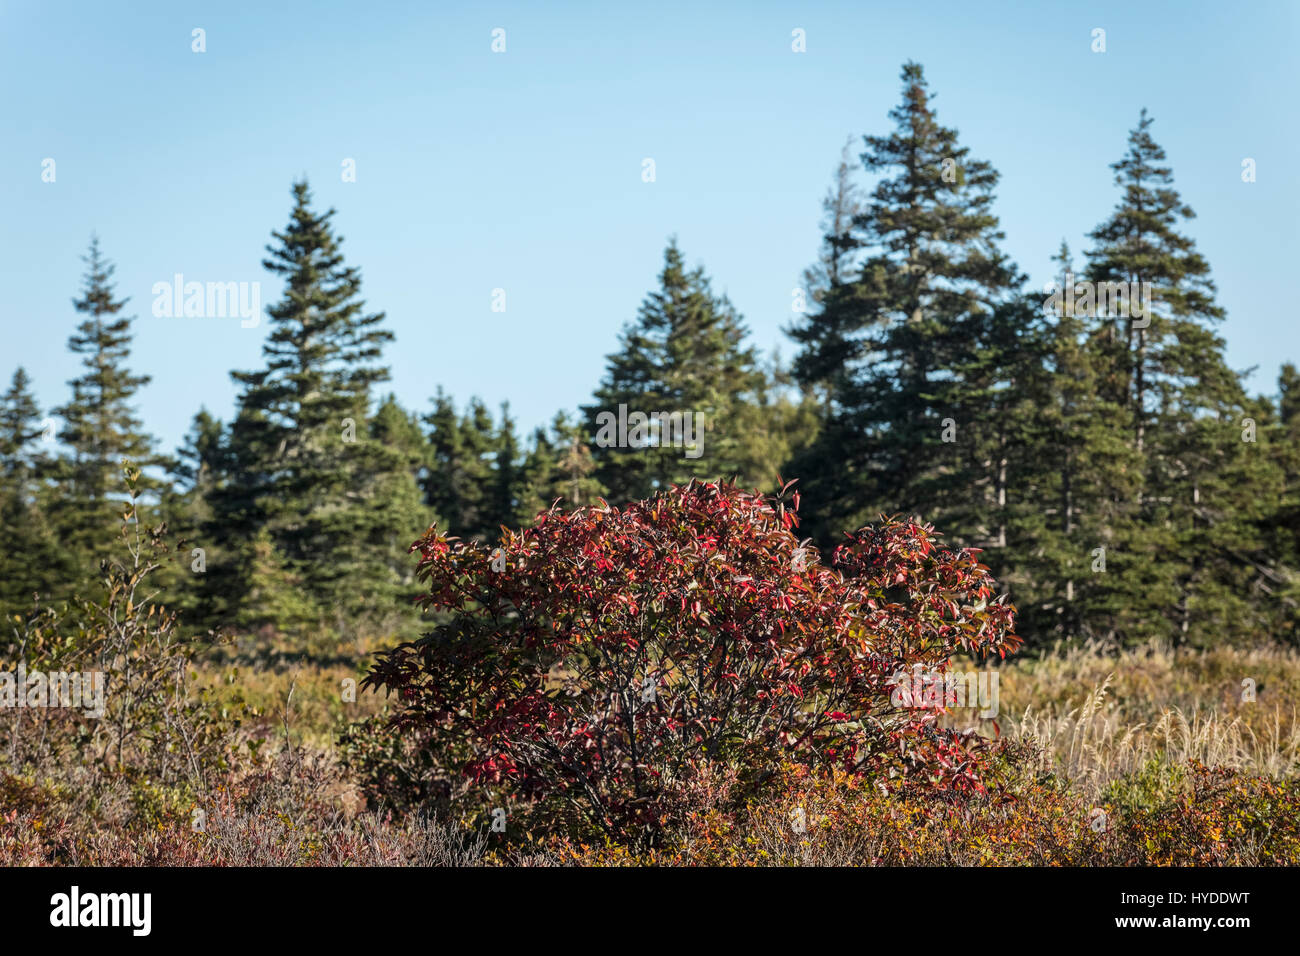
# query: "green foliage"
{"type": "Point", "coordinates": [1191, 525]}
{"type": "Point", "coordinates": [309, 498]}
{"type": "Point", "coordinates": [100, 427]}
{"type": "Point", "coordinates": [150, 729]}
{"type": "Point", "coordinates": [686, 353]}
{"type": "Point", "coordinates": [1108, 461]}
{"type": "Point", "coordinates": [31, 561]}
{"type": "Point", "coordinates": [918, 329]}
{"type": "Point", "coordinates": [1154, 786]}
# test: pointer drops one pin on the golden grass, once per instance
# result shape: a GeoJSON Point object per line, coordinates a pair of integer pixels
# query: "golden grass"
{"type": "Point", "coordinates": [1096, 714]}
{"type": "Point", "coordinates": [1100, 715]}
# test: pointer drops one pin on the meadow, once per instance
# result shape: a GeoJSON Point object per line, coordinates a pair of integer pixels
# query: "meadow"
{"type": "Point", "coordinates": [253, 751]}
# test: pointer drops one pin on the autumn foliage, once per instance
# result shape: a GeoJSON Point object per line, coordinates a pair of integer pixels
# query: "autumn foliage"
{"type": "Point", "coordinates": [599, 665]}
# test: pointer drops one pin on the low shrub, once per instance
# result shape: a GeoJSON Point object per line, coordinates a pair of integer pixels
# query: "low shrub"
{"type": "Point", "coordinates": [833, 818]}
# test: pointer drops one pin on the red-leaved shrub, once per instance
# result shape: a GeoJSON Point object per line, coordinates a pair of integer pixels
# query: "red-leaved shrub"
{"type": "Point", "coordinates": [601, 662]}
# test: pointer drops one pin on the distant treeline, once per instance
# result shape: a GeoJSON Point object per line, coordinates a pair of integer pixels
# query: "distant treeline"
{"type": "Point", "coordinates": [1122, 483]}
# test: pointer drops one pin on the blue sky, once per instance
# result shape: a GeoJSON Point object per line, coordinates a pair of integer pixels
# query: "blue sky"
{"type": "Point", "coordinates": [522, 170]}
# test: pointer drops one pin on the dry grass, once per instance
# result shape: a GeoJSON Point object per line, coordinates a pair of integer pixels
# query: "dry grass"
{"type": "Point", "coordinates": [1123, 730]}
{"type": "Point", "coordinates": [1098, 716]}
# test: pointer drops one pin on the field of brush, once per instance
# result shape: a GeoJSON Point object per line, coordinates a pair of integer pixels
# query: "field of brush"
{"type": "Point", "coordinates": [1122, 758]}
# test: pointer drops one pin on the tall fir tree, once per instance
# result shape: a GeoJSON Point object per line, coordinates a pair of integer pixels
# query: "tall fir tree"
{"type": "Point", "coordinates": [505, 502]}
{"type": "Point", "coordinates": [684, 354]}
{"type": "Point", "coordinates": [100, 427]}
{"type": "Point", "coordinates": [1280, 584]}
{"type": "Point", "coordinates": [310, 496]}
{"type": "Point", "coordinates": [396, 461]}
{"type": "Point", "coordinates": [911, 340]}
{"type": "Point", "coordinates": [829, 343]}
{"type": "Point", "coordinates": [1189, 571]}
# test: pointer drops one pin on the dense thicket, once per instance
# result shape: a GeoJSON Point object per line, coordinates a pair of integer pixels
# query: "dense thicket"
{"type": "Point", "coordinates": [1097, 445]}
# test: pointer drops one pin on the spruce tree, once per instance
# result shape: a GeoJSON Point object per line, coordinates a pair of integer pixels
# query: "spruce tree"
{"type": "Point", "coordinates": [569, 476]}
{"type": "Point", "coordinates": [395, 427]}
{"type": "Point", "coordinates": [684, 355]}
{"type": "Point", "coordinates": [505, 502]}
{"type": "Point", "coordinates": [31, 562]}
{"type": "Point", "coordinates": [909, 345]}
{"type": "Point", "coordinates": [395, 461]}
{"type": "Point", "coordinates": [1077, 475]}
{"type": "Point", "coordinates": [1288, 383]}
{"type": "Point", "coordinates": [309, 492]}
{"type": "Point", "coordinates": [1196, 498]}
{"type": "Point", "coordinates": [100, 425]}
{"type": "Point", "coordinates": [1280, 573]}
{"type": "Point", "coordinates": [829, 343]}
{"type": "Point", "coordinates": [186, 504]}
{"type": "Point", "coordinates": [458, 486]}
{"type": "Point", "coordinates": [1171, 358]}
